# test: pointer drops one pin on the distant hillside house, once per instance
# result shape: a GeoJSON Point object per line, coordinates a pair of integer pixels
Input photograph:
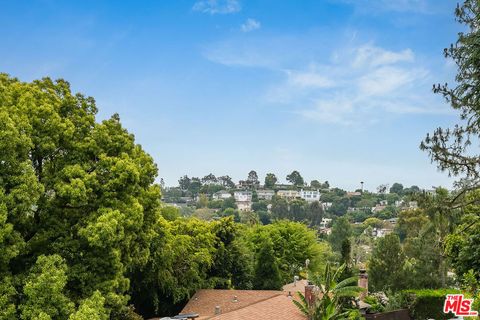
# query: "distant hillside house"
{"type": "Point", "coordinates": [354, 194]}
{"type": "Point", "coordinates": [325, 223]}
{"type": "Point", "coordinates": [381, 232]}
{"type": "Point", "coordinates": [221, 195]}
{"type": "Point", "coordinates": [243, 199]}
{"type": "Point", "coordinates": [288, 194]}
{"type": "Point", "coordinates": [242, 196]}
{"type": "Point", "coordinates": [265, 194]}
{"type": "Point", "coordinates": [310, 195]}
{"type": "Point", "coordinates": [327, 205]}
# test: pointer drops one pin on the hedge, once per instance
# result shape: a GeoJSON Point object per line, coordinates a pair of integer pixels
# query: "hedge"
{"type": "Point", "coordinates": [427, 304]}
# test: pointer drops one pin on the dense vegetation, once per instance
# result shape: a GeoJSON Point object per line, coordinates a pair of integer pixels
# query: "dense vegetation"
{"type": "Point", "coordinates": [83, 233]}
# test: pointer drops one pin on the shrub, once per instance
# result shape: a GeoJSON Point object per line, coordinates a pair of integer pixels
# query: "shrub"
{"type": "Point", "coordinates": [376, 306]}
{"type": "Point", "coordinates": [427, 304]}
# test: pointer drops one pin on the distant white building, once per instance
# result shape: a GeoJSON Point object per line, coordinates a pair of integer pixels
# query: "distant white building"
{"type": "Point", "coordinates": [383, 202]}
{"type": "Point", "coordinates": [221, 195]}
{"type": "Point", "coordinates": [381, 232]}
{"type": "Point", "coordinates": [325, 223]}
{"type": "Point", "coordinates": [242, 195]}
{"type": "Point", "coordinates": [288, 194]}
{"type": "Point", "coordinates": [413, 205]}
{"type": "Point", "coordinates": [265, 194]}
{"type": "Point", "coordinates": [310, 195]}
{"type": "Point", "coordinates": [243, 199]}
{"type": "Point", "coordinates": [327, 205]}
{"type": "Point", "coordinates": [244, 205]}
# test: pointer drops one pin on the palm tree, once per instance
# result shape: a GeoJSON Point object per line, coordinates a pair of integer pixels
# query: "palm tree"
{"type": "Point", "coordinates": [326, 304]}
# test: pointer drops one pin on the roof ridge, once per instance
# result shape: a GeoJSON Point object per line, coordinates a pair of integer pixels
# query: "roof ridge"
{"type": "Point", "coordinates": [281, 293]}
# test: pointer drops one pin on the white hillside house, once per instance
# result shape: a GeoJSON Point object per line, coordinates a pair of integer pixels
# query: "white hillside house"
{"type": "Point", "coordinates": [310, 195]}
{"type": "Point", "coordinates": [221, 195]}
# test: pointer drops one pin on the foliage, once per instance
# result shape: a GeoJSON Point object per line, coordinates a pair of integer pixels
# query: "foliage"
{"type": "Point", "coordinates": [328, 294]}
{"type": "Point", "coordinates": [44, 290]}
{"type": "Point", "coordinates": [267, 273]}
{"type": "Point", "coordinates": [295, 178]}
{"type": "Point", "coordinates": [427, 304]}
{"type": "Point", "coordinates": [387, 265]}
{"type": "Point", "coordinates": [341, 230]}
{"type": "Point", "coordinates": [397, 188]}
{"type": "Point", "coordinates": [451, 148]}
{"type": "Point", "coordinates": [375, 305]}
{"type": "Point", "coordinates": [293, 243]}
{"type": "Point", "coordinates": [74, 189]}
{"type": "Point", "coordinates": [270, 180]}
{"type": "Point", "coordinates": [91, 309]}
{"type": "Point", "coordinates": [170, 212]}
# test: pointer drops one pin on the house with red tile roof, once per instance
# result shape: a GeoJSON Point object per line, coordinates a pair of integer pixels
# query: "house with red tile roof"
{"type": "Point", "coordinates": [214, 304]}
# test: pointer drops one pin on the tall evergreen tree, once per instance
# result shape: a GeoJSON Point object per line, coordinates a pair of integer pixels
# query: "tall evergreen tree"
{"type": "Point", "coordinates": [267, 273]}
{"type": "Point", "coordinates": [387, 265]}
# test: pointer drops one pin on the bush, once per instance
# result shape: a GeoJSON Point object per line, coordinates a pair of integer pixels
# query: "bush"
{"type": "Point", "coordinates": [376, 306]}
{"type": "Point", "coordinates": [427, 304]}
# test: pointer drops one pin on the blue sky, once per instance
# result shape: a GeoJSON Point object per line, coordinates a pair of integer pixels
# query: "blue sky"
{"type": "Point", "coordinates": [337, 89]}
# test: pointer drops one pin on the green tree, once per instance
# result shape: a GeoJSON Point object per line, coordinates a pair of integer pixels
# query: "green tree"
{"type": "Point", "coordinates": [450, 147]}
{"type": "Point", "coordinates": [293, 244]}
{"type": "Point", "coordinates": [297, 210]}
{"type": "Point", "coordinates": [72, 188]}
{"type": "Point", "coordinates": [195, 186]}
{"type": "Point", "coordinates": [314, 213]}
{"type": "Point", "coordinates": [209, 179]}
{"type": "Point", "coordinates": [252, 178]}
{"type": "Point", "coordinates": [270, 180]}
{"type": "Point", "coordinates": [410, 223]}
{"type": "Point", "coordinates": [261, 205]}
{"type": "Point", "coordinates": [396, 188]}
{"type": "Point", "coordinates": [387, 265]}
{"type": "Point", "coordinates": [442, 221]}
{"type": "Point", "coordinates": [45, 290]}
{"type": "Point", "coordinates": [91, 309]}
{"type": "Point", "coordinates": [229, 203]}
{"type": "Point", "coordinates": [267, 273]}
{"type": "Point", "coordinates": [202, 201]}
{"type": "Point", "coordinates": [315, 184]}
{"type": "Point", "coordinates": [280, 208]}
{"type": "Point", "coordinates": [170, 212]}
{"type": "Point", "coordinates": [341, 230]}
{"type": "Point", "coordinates": [226, 181]}
{"type": "Point", "coordinates": [295, 178]}
{"type": "Point", "coordinates": [184, 182]}
{"type": "Point", "coordinates": [232, 264]}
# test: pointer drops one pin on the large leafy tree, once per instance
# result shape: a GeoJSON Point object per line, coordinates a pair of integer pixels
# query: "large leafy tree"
{"type": "Point", "coordinates": [295, 178]}
{"type": "Point", "coordinates": [270, 180]}
{"type": "Point", "coordinates": [71, 188]}
{"type": "Point", "coordinates": [341, 230]}
{"type": "Point", "coordinates": [267, 273]}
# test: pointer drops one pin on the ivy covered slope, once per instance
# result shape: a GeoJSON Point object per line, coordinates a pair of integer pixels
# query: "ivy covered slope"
{"type": "Point", "coordinates": [78, 205]}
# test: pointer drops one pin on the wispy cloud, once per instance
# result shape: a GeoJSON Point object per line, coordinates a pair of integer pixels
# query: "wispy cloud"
{"type": "Point", "coordinates": [250, 25]}
{"type": "Point", "coordinates": [217, 6]}
{"type": "Point", "coordinates": [353, 84]}
{"type": "Point", "coordinates": [420, 6]}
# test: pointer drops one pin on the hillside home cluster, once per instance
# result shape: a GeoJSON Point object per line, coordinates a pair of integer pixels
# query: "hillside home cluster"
{"type": "Point", "coordinates": [243, 198]}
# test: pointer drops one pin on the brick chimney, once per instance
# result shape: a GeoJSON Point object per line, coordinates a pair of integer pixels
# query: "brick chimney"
{"type": "Point", "coordinates": [363, 283]}
{"type": "Point", "coordinates": [310, 294]}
